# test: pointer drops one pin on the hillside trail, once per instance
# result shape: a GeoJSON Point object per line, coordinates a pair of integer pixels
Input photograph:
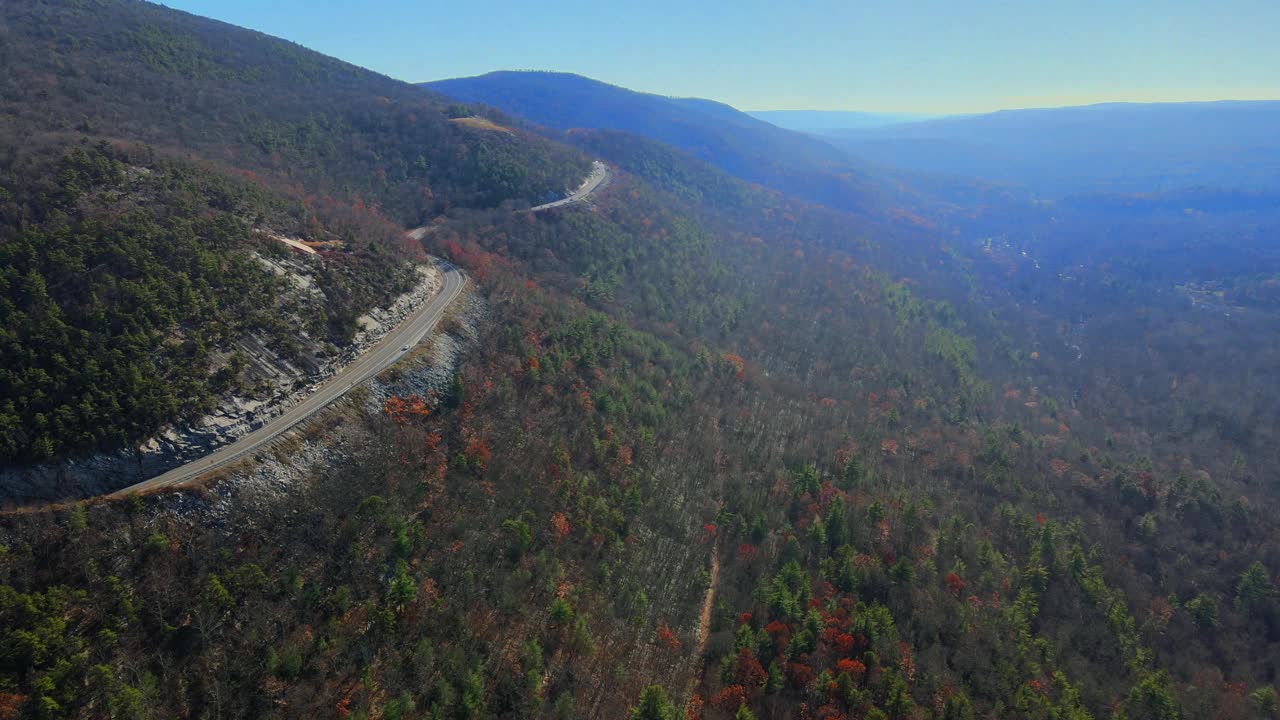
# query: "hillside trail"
{"type": "Point", "coordinates": [704, 623]}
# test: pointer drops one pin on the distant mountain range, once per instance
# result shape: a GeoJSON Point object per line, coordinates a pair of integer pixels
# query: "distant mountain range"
{"type": "Point", "coordinates": [865, 162]}
{"type": "Point", "coordinates": [819, 120]}
{"type": "Point", "coordinates": [1119, 147]}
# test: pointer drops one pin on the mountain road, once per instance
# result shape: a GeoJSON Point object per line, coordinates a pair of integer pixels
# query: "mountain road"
{"type": "Point", "coordinates": [375, 360]}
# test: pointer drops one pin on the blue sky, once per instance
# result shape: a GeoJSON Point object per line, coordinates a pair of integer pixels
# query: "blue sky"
{"type": "Point", "coordinates": [888, 55]}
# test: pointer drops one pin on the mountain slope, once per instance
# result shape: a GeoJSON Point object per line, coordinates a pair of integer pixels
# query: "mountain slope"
{"type": "Point", "coordinates": [110, 298]}
{"type": "Point", "coordinates": [133, 290]}
{"type": "Point", "coordinates": [697, 435]}
{"type": "Point", "coordinates": [741, 145]}
{"type": "Point", "coordinates": [136, 71]}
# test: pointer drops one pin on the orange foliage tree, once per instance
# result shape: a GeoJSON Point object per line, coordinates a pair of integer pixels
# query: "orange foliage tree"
{"type": "Point", "coordinates": [739, 365]}
{"type": "Point", "coordinates": [401, 410]}
{"type": "Point", "coordinates": [668, 639]}
{"type": "Point", "coordinates": [559, 526]}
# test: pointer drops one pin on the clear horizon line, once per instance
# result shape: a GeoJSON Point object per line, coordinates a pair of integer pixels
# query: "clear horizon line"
{"type": "Point", "coordinates": [1048, 104]}
{"type": "Point", "coordinates": [944, 113]}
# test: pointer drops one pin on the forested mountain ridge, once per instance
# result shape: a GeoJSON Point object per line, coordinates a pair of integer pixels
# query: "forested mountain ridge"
{"type": "Point", "coordinates": [123, 127]}
{"type": "Point", "coordinates": [849, 441]}
{"type": "Point", "coordinates": [816, 121]}
{"type": "Point", "coordinates": [128, 279]}
{"type": "Point", "coordinates": [737, 143]}
{"type": "Point", "coordinates": [143, 73]}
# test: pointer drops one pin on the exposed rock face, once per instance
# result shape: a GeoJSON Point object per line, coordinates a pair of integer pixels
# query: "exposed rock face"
{"type": "Point", "coordinates": [277, 385]}
{"type": "Point", "coordinates": [431, 379]}
{"type": "Point", "coordinates": [273, 474]}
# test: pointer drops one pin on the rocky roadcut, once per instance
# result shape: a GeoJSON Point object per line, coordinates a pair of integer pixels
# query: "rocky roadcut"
{"type": "Point", "coordinates": [279, 386]}
{"type": "Point", "coordinates": [376, 358]}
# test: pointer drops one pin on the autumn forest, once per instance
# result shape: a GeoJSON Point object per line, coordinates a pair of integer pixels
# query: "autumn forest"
{"type": "Point", "coordinates": [754, 431]}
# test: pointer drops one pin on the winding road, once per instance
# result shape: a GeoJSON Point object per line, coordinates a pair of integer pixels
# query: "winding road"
{"type": "Point", "coordinates": [372, 362]}
{"type": "Point", "coordinates": [597, 179]}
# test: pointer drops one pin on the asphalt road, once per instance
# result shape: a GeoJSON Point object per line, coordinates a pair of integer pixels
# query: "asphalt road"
{"type": "Point", "coordinates": [372, 362]}
{"type": "Point", "coordinates": [599, 175]}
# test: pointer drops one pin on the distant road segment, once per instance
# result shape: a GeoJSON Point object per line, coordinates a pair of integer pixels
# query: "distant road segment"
{"type": "Point", "coordinates": [597, 179]}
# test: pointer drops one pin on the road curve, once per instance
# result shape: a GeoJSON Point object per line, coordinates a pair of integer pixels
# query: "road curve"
{"type": "Point", "coordinates": [596, 180]}
{"type": "Point", "coordinates": [372, 362]}
{"type": "Point", "coordinates": [377, 359]}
